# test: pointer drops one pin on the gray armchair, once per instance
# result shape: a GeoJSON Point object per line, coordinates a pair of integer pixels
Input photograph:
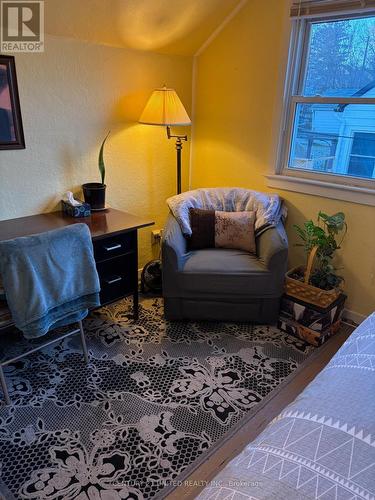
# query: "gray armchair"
{"type": "Point", "coordinates": [223, 284]}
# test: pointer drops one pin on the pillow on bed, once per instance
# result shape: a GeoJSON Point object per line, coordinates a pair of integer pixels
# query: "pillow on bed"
{"type": "Point", "coordinates": [216, 229]}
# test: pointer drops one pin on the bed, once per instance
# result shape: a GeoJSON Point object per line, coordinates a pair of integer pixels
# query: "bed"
{"type": "Point", "coordinates": [322, 446]}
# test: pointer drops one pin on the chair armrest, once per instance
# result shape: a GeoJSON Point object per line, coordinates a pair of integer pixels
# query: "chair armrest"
{"type": "Point", "coordinates": [272, 248]}
{"type": "Point", "coordinates": [174, 245]}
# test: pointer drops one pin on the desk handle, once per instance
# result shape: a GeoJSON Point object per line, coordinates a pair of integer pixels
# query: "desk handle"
{"type": "Point", "coordinates": [113, 280]}
{"type": "Point", "coordinates": [114, 247]}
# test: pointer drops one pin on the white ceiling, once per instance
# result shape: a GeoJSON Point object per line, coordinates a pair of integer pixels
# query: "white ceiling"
{"type": "Point", "coordinates": [167, 26]}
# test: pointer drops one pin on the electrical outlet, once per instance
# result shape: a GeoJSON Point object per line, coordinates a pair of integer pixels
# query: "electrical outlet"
{"type": "Point", "coordinates": [156, 236]}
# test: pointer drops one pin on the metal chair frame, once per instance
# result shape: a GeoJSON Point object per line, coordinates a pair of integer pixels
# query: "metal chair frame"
{"type": "Point", "coordinates": [38, 348]}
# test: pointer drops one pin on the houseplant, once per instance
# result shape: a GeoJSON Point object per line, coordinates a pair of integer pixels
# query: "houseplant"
{"type": "Point", "coordinates": [94, 192]}
{"type": "Point", "coordinates": [318, 283]}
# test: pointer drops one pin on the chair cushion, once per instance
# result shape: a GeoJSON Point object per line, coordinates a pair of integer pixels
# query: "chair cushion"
{"type": "Point", "coordinates": [202, 229]}
{"type": "Point", "coordinates": [235, 230]}
{"type": "Point", "coordinates": [219, 229]}
{"type": "Point", "coordinates": [226, 272]}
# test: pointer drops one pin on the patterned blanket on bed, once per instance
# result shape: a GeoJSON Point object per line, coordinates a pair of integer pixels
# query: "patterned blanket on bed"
{"type": "Point", "coordinates": [269, 208]}
{"type": "Point", "coordinates": [323, 445]}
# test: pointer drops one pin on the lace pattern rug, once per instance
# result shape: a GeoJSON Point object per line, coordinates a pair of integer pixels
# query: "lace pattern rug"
{"type": "Point", "coordinates": [155, 397]}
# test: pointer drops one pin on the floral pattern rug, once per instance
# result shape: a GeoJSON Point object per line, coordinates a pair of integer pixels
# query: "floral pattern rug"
{"type": "Point", "coordinates": [155, 397]}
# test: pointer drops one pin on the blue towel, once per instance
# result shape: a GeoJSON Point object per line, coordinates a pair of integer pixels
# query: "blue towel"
{"type": "Point", "coordinates": [50, 279]}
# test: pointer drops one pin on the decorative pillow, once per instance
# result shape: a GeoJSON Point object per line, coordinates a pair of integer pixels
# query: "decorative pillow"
{"type": "Point", "coordinates": [203, 228]}
{"type": "Point", "coordinates": [218, 229]}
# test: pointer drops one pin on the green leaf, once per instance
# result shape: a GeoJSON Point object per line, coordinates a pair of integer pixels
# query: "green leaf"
{"type": "Point", "coordinates": [101, 159]}
{"type": "Point", "coordinates": [300, 232]}
{"type": "Point", "coordinates": [334, 223]}
{"type": "Point", "coordinates": [323, 235]}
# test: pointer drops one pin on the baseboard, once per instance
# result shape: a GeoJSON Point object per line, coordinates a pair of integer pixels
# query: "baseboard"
{"type": "Point", "coordinates": [353, 316]}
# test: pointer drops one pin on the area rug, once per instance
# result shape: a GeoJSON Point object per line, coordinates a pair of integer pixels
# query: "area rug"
{"type": "Point", "coordinates": [154, 399]}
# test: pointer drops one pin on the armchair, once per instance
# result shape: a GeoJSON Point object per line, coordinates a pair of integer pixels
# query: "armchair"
{"type": "Point", "coordinates": [223, 284]}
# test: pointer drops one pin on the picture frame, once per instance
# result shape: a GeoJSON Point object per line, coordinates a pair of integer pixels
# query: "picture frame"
{"type": "Point", "coordinates": [11, 128]}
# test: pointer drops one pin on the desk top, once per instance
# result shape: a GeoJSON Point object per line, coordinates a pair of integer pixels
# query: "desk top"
{"type": "Point", "coordinates": [106, 222]}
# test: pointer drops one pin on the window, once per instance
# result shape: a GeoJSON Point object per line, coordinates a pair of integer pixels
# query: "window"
{"type": "Point", "coordinates": [329, 116]}
{"type": "Point", "coordinates": [362, 155]}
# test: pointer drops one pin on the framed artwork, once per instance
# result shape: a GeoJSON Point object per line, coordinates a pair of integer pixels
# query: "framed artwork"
{"type": "Point", "coordinates": [11, 130]}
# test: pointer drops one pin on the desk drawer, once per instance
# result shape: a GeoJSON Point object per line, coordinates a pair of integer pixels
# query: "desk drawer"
{"type": "Point", "coordinates": [106, 248]}
{"type": "Point", "coordinates": [118, 278]}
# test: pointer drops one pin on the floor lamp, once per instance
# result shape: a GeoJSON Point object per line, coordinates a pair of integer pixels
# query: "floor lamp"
{"type": "Point", "coordinates": [165, 108]}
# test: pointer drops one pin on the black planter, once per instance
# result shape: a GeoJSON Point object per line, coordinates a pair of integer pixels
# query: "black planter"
{"type": "Point", "coordinates": [94, 194]}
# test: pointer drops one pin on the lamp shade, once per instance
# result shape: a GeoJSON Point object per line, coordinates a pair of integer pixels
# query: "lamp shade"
{"type": "Point", "coordinates": [164, 108]}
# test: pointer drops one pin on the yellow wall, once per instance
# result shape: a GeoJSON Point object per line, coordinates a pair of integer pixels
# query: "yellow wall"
{"type": "Point", "coordinates": [71, 95]}
{"type": "Point", "coordinates": [76, 91]}
{"type": "Point", "coordinates": [238, 93]}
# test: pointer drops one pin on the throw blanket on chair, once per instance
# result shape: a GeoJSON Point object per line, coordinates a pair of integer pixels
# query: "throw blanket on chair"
{"type": "Point", "coordinates": [269, 208]}
{"type": "Point", "coordinates": [50, 279]}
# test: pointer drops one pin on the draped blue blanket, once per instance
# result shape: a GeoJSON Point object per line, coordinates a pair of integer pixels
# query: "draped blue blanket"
{"type": "Point", "coordinates": [50, 279]}
{"type": "Point", "coordinates": [269, 208]}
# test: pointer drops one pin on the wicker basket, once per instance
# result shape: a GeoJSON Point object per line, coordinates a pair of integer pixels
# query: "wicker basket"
{"type": "Point", "coordinates": [304, 291]}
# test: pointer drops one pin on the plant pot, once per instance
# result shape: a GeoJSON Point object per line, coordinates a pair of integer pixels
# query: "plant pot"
{"type": "Point", "coordinates": [309, 293]}
{"type": "Point", "coordinates": [94, 194]}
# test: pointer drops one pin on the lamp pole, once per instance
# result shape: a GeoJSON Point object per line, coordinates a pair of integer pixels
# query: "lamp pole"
{"type": "Point", "coordinates": [179, 139]}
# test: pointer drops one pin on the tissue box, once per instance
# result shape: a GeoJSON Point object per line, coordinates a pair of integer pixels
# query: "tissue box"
{"type": "Point", "coordinates": [83, 210]}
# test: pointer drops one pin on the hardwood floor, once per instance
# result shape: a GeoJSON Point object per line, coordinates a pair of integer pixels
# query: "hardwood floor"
{"type": "Point", "coordinates": [194, 479]}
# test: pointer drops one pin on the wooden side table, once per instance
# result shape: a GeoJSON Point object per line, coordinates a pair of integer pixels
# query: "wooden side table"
{"type": "Point", "coordinates": [115, 239]}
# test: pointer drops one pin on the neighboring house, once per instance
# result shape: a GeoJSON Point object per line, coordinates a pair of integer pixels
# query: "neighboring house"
{"type": "Point", "coordinates": [338, 139]}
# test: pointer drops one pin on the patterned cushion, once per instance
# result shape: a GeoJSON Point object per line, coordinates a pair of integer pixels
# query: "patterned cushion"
{"type": "Point", "coordinates": [220, 229]}
{"type": "Point", "coordinates": [235, 230]}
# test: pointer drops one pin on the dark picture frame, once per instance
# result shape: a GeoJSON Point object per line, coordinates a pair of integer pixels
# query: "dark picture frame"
{"type": "Point", "coordinates": [11, 128]}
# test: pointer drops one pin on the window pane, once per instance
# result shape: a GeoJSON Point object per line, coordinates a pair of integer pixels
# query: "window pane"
{"type": "Point", "coordinates": [341, 59]}
{"type": "Point", "coordinates": [333, 138]}
{"type": "Point", "coordinates": [362, 157]}
{"type": "Point", "coordinates": [363, 144]}
{"type": "Point", "coordinates": [361, 167]}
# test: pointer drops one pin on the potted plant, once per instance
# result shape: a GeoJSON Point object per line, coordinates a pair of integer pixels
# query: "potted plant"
{"type": "Point", "coordinates": [94, 192]}
{"type": "Point", "coordinates": [318, 283]}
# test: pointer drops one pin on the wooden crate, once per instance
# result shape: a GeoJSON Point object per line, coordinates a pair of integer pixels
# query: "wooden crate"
{"type": "Point", "coordinates": [311, 323]}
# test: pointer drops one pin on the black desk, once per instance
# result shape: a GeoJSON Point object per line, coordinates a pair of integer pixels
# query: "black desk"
{"type": "Point", "coordinates": [115, 240]}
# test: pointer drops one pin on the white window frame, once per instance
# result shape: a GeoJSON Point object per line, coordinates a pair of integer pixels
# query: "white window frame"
{"type": "Point", "coordinates": [326, 184]}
